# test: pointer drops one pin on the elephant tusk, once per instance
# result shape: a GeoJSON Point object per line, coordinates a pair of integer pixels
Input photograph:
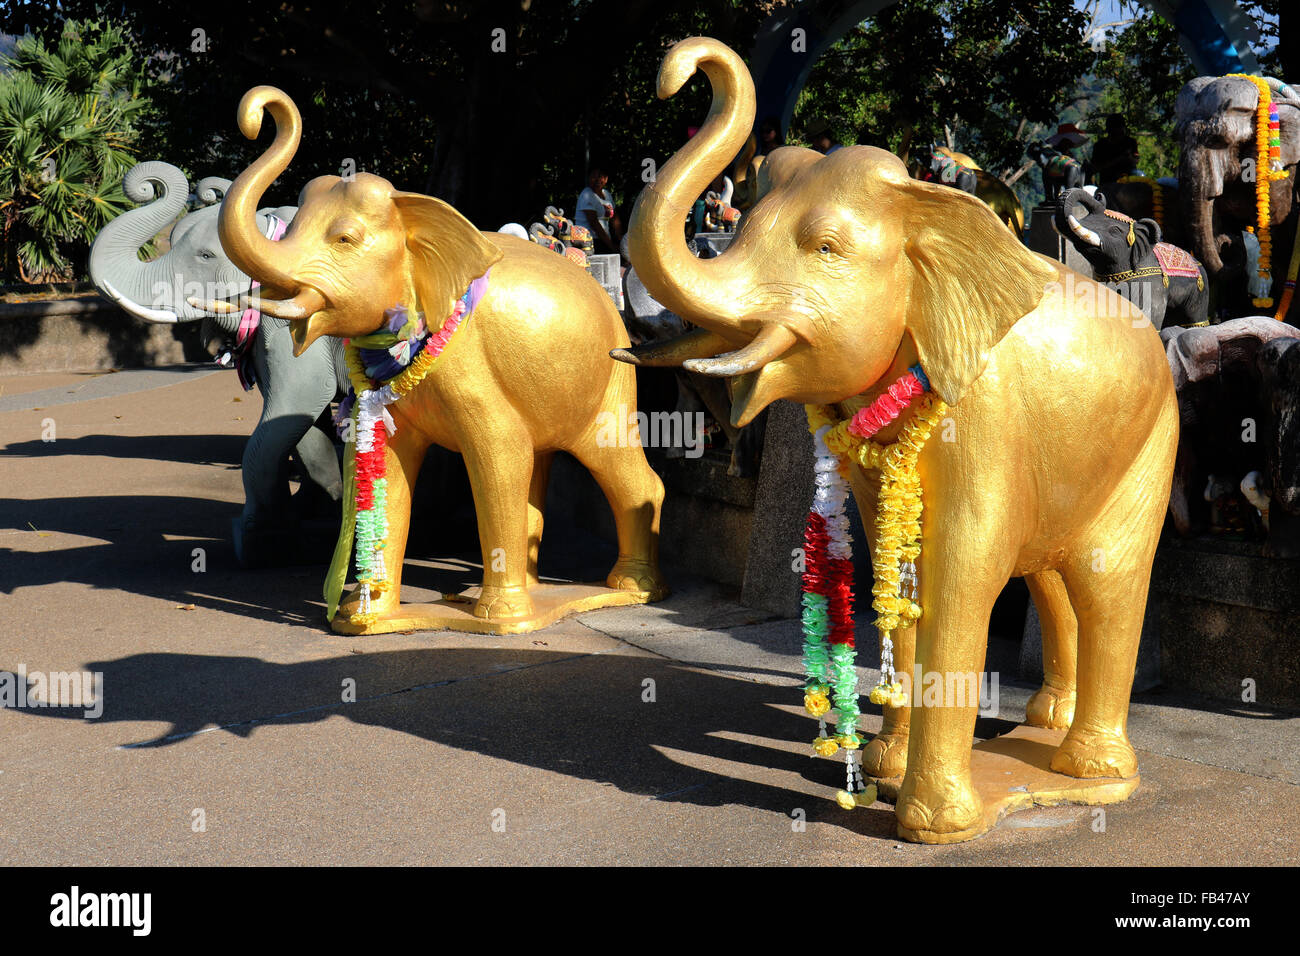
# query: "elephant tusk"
{"type": "Point", "coordinates": [302, 306]}
{"type": "Point", "coordinates": [217, 306]}
{"type": "Point", "coordinates": [770, 344]}
{"type": "Point", "coordinates": [161, 316]}
{"type": "Point", "coordinates": [1084, 233]}
{"type": "Point", "coordinates": [698, 343]}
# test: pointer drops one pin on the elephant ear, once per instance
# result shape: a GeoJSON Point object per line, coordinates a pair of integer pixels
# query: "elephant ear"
{"type": "Point", "coordinates": [1146, 233]}
{"type": "Point", "coordinates": [447, 252]}
{"type": "Point", "coordinates": [972, 281]}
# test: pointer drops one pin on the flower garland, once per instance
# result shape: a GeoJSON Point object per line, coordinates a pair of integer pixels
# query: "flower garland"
{"type": "Point", "coordinates": [1268, 167]}
{"type": "Point", "coordinates": [402, 352]}
{"type": "Point", "coordinates": [829, 650]}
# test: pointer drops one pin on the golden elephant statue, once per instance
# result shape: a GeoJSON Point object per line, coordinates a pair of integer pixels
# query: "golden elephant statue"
{"type": "Point", "coordinates": [1055, 431]}
{"type": "Point", "coordinates": [506, 368]}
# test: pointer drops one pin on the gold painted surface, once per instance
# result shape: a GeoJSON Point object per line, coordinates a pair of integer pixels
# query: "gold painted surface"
{"type": "Point", "coordinates": [550, 603]}
{"type": "Point", "coordinates": [1054, 462]}
{"type": "Point", "coordinates": [1013, 772]}
{"type": "Point", "coordinates": [526, 375]}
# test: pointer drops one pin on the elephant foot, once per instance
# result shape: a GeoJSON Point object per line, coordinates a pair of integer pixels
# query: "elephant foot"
{"type": "Point", "coordinates": [934, 808]}
{"type": "Point", "coordinates": [382, 605]}
{"type": "Point", "coordinates": [637, 574]}
{"type": "Point", "coordinates": [1085, 753]}
{"type": "Point", "coordinates": [885, 756]}
{"type": "Point", "coordinates": [1051, 707]}
{"type": "Point", "coordinates": [504, 603]}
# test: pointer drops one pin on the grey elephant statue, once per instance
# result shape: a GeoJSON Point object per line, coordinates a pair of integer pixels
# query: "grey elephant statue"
{"type": "Point", "coordinates": [1165, 282]}
{"type": "Point", "coordinates": [1238, 465]}
{"type": "Point", "coordinates": [295, 392]}
{"type": "Point", "coordinates": [1217, 128]}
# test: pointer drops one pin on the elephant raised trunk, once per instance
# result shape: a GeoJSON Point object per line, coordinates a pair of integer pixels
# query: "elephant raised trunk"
{"type": "Point", "coordinates": [247, 248]}
{"type": "Point", "coordinates": [656, 235]}
{"type": "Point", "coordinates": [135, 285]}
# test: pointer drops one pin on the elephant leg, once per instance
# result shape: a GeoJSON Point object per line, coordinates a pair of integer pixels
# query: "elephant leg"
{"type": "Point", "coordinates": [536, 509]}
{"type": "Point", "coordinates": [959, 583]}
{"type": "Point", "coordinates": [316, 454]}
{"type": "Point", "coordinates": [265, 462]}
{"type": "Point", "coordinates": [636, 495]}
{"type": "Point", "coordinates": [885, 755]}
{"type": "Point", "coordinates": [403, 457]}
{"type": "Point", "coordinates": [1107, 584]}
{"type": "Point", "coordinates": [501, 477]}
{"type": "Point", "coordinates": [1053, 704]}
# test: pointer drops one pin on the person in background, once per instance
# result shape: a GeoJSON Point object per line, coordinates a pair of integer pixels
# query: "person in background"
{"type": "Point", "coordinates": [819, 135]}
{"type": "Point", "coordinates": [1115, 154]}
{"type": "Point", "coordinates": [769, 136]}
{"type": "Point", "coordinates": [595, 210]}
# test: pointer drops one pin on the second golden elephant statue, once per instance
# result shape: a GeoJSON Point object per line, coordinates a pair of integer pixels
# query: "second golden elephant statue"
{"type": "Point", "coordinates": [891, 307]}
{"type": "Point", "coordinates": [485, 344]}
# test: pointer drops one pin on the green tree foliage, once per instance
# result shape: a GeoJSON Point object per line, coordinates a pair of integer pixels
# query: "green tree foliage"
{"type": "Point", "coordinates": [497, 106]}
{"type": "Point", "coordinates": [978, 71]}
{"type": "Point", "coordinates": [69, 114]}
{"type": "Point", "coordinates": [1140, 74]}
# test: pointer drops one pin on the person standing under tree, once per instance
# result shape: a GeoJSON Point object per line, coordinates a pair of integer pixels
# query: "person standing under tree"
{"type": "Point", "coordinates": [1114, 155]}
{"type": "Point", "coordinates": [595, 210]}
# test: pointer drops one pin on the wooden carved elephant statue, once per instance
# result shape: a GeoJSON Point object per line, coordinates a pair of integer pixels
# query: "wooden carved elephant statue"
{"type": "Point", "coordinates": [850, 288]}
{"type": "Point", "coordinates": [484, 344]}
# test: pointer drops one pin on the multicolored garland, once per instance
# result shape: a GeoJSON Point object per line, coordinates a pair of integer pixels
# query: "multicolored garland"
{"type": "Point", "coordinates": [829, 650]}
{"type": "Point", "coordinates": [1268, 167]}
{"type": "Point", "coordinates": [401, 353]}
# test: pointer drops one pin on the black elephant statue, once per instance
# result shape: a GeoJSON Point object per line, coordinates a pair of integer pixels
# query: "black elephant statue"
{"type": "Point", "coordinates": [1238, 466]}
{"type": "Point", "coordinates": [1061, 171]}
{"type": "Point", "coordinates": [933, 166]}
{"type": "Point", "coordinates": [1165, 282]}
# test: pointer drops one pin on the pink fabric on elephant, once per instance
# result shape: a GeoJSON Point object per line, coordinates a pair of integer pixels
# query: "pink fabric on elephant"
{"type": "Point", "coordinates": [1176, 262]}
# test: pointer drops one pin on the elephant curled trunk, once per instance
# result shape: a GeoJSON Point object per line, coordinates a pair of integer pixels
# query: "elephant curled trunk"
{"type": "Point", "coordinates": [247, 248]}
{"type": "Point", "coordinates": [656, 237]}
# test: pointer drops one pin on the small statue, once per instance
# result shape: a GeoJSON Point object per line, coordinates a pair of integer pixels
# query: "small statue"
{"type": "Point", "coordinates": [1165, 282]}
{"type": "Point", "coordinates": [1061, 171]}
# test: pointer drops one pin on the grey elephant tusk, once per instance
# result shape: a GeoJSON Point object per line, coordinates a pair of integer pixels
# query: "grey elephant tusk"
{"type": "Point", "coordinates": [1084, 233]}
{"type": "Point", "coordinates": [216, 306]}
{"type": "Point", "coordinates": [162, 316]}
{"type": "Point", "coordinates": [770, 344]}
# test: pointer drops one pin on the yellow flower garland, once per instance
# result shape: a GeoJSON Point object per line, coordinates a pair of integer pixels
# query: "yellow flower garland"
{"type": "Point", "coordinates": [1264, 174]}
{"type": "Point", "coordinates": [898, 512]}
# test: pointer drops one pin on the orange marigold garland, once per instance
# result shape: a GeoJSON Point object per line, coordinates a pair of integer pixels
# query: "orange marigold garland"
{"type": "Point", "coordinates": [1268, 167]}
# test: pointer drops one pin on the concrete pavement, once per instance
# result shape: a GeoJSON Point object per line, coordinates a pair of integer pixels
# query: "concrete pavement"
{"type": "Point", "coordinates": [226, 737]}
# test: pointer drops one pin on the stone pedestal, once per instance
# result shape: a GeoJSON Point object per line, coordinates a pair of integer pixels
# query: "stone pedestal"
{"type": "Point", "coordinates": [608, 271]}
{"type": "Point", "coordinates": [1044, 238]}
{"type": "Point", "coordinates": [781, 502]}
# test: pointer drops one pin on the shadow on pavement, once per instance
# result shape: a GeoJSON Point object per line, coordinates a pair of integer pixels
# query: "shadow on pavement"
{"type": "Point", "coordinates": [580, 715]}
